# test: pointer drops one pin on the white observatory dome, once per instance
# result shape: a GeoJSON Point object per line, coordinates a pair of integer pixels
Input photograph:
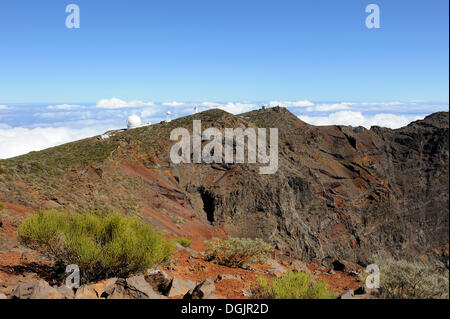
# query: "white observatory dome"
{"type": "Point", "coordinates": [134, 121]}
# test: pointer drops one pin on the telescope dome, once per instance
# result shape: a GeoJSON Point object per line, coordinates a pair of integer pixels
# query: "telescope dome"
{"type": "Point", "coordinates": [134, 121]}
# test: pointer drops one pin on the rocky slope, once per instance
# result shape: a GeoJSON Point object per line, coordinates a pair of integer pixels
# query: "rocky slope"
{"type": "Point", "coordinates": [340, 192]}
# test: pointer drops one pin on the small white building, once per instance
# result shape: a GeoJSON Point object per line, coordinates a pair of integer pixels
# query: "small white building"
{"type": "Point", "coordinates": [104, 137]}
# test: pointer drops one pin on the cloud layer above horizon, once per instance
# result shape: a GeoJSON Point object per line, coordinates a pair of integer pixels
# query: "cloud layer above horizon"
{"type": "Point", "coordinates": [25, 128]}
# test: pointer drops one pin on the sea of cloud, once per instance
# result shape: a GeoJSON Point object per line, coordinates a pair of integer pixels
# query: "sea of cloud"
{"type": "Point", "coordinates": [25, 128]}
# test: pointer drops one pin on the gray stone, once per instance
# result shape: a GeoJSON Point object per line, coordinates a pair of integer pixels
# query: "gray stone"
{"type": "Point", "coordinates": [98, 290]}
{"type": "Point", "coordinates": [180, 287]}
{"type": "Point", "coordinates": [35, 290]}
{"type": "Point", "coordinates": [158, 279]}
{"type": "Point", "coordinates": [86, 292]}
{"type": "Point", "coordinates": [135, 287]}
{"type": "Point", "coordinates": [66, 292]}
{"type": "Point", "coordinates": [205, 290]}
{"type": "Point", "coordinates": [347, 295]}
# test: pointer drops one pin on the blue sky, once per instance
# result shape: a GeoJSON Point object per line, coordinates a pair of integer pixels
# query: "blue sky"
{"type": "Point", "coordinates": [146, 57]}
{"type": "Point", "coordinates": [223, 50]}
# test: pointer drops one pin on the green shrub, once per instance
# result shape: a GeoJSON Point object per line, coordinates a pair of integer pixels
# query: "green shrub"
{"type": "Point", "coordinates": [238, 252]}
{"type": "Point", "coordinates": [292, 285]}
{"type": "Point", "coordinates": [182, 241]}
{"type": "Point", "coordinates": [411, 280]}
{"type": "Point", "coordinates": [2, 206]}
{"type": "Point", "coordinates": [102, 247]}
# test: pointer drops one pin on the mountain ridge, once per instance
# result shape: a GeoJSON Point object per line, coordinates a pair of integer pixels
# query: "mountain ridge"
{"type": "Point", "coordinates": [340, 192]}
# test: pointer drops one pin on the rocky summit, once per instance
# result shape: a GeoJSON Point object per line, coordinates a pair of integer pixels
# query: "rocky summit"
{"type": "Point", "coordinates": [341, 194]}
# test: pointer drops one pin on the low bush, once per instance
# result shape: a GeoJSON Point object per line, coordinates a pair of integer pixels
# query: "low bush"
{"type": "Point", "coordinates": [182, 241]}
{"type": "Point", "coordinates": [292, 285]}
{"type": "Point", "coordinates": [102, 247]}
{"type": "Point", "coordinates": [238, 252]}
{"type": "Point", "coordinates": [411, 280]}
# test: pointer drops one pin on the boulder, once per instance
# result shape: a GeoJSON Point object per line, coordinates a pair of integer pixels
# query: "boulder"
{"type": "Point", "coordinates": [141, 285]}
{"type": "Point", "coordinates": [158, 279]}
{"type": "Point", "coordinates": [98, 290]}
{"type": "Point", "coordinates": [86, 292]}
{"type": "Point", "coordinates": [66, 292]}
{"type": "Point", "coordinates": [135, 287]}
{"type": "Point", "coordinates": [205, 290]}
{"type": "Point", "coordinates": [347, 295]}
{"type": "Point", "coordinates": [35, 290]}
{"type": "Point", "coordinates": [179, 287]}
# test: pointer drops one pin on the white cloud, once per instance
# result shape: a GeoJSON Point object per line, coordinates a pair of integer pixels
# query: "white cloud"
{"type": "Point", "coordinates": [19, 140]}
{"type": "Point", "coordinates": [358, 119]}
{"type": "Point", "coordinates": [392, 103]}
{"type": "Point", "coordinates": [231, 107]}
{"type": "Point", "coordinates": [304, 103]}
{"type": "Point", "coordinates": [3, 107]}
{"type": "Point", "coordinates": [64, 115]}
{"type": "Point", "coordinates": [237, 108]}
{"type": "Point", "coordinates": [116, 103]}
{"type": "Point", "coordinates": [210, 104]}
{"type": "Point", "coordinates": [382, 103]}
{"type": "Point", "coordinates": [331, 107]}
{"type": "Point", "coordinates": [173, 104]}
{"type": "Point", "coordinates": [64, 107]}
{"type": "Point", "coordinates": [149, 112]}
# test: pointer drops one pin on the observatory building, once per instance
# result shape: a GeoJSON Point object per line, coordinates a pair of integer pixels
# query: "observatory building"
{"type": "Point", "coordinates": [133, 121]}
